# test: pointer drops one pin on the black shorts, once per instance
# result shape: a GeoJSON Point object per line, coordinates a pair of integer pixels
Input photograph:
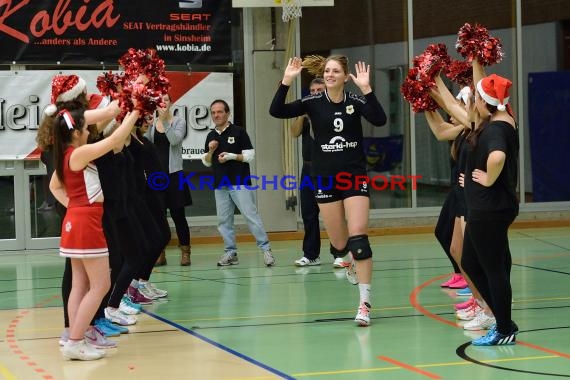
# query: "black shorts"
{"type": "Point", "coordinates": [336, 188]}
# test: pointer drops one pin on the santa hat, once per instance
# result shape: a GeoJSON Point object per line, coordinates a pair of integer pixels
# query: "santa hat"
{"type": "Point", "coordinates": [464, 94]}
{"type": "Point", "coordinates": [63, 89]}
{"type": "Point", "coordinates": [97, 101]}
{"type": "Point", "coordinates": [495, 90]}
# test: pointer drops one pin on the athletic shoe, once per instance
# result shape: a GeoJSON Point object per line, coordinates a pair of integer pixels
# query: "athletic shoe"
{"type": "Point", "coordinates": [228, 259]}
{"type": "Point", "coordinates": [268, 258]}
{"type": "Point", "coordinates": [363, 314]}
{"type": "Point", "coordinates": [465, 292]}
{"type": "Point", "coordinates": [465, 305]}
{"type": "Point", "coordinates": [453, 279]}
{"type": "Point", "coordinates": [160, 293]}
{"type": "Point", "coordinates": [126, 308]}
{"type": "Point", "coordinates": [468, 314]}
{"type": "Point", "coordinates": [132, 304]}
{"type": "Point", "coordinates": [459, 284]}
{"type": "Point", "coordinates": [495, 338]}
{"type": "Point", "coordinates": [139, 298]}
{"type": "Point", "coordinates": [481, 322]}
{"type": "Point", "coordinates": [147, 291]}
{"type": "Point", "coordinates": [79, 350]}
{"type": "Point", "coordinates": [340, 263]}
{"type": "Point", "coordinates": [64, 337]}
{"type": "Point", "coordinates": [304, 262]}
{"type": "Point", "coordinates": [351, 272]}
{"type": "Point", "coordinates": [120, 318]}
{"type": "Point", "coordinates": [96, 338]}
{"type": "Point", "coordinates": [108, 328]}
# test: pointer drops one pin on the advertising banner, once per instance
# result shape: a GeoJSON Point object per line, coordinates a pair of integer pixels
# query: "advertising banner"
{"type": "Point", "coordinates": [25, 94]}
{"type": "Point", "coordinates": [91, 32]}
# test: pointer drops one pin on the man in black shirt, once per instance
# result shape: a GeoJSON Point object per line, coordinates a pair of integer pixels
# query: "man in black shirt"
{"type": "Point", "coordinates": [229, 151]}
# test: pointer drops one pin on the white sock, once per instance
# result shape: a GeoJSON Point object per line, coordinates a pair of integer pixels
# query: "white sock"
{"type": "Point", "coordinates": [364, 293]}
{"type": "Point", "coordinates": [135, 284]}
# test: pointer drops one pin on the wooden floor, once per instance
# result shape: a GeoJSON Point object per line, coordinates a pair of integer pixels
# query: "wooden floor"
{"type": "Point", "coordinates": [252, 322]}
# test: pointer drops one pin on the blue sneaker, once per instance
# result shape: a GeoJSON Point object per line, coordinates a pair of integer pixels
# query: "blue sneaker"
{"type": "Point", "coordinates": [495, 338]}
{"type": "Point", "coordinates": [109, 329]}
{"type": "Point", "coordinates": [465, 292]}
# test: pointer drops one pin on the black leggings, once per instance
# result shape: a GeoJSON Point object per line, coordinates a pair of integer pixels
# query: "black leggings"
{"type": "Point", "coordinates": [487, 261]}
{"type": "Point", "coordinates": [444, 227]}
{"type": "Point", "coordinates": [178, 216]}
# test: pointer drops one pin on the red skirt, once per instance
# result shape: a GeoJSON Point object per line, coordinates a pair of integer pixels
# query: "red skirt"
{"type": "Point", "coordinates": [82, 233]}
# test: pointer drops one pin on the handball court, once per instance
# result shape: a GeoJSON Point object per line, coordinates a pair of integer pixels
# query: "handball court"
{"type": "Point", "coordinates": [252, 322]}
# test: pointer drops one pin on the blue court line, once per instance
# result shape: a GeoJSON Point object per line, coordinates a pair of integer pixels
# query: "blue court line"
{"type": "Point", "coordinates": [220, 346]}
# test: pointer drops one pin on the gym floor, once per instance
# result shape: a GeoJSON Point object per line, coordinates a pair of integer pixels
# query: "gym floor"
{"type": "Point", "coordinates": [252, 322]}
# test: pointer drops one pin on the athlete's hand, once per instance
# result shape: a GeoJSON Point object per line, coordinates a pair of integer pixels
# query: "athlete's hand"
{"type": "Point", "coordinates": [362, 78]}
{"type": "Point", "coordinates": [292, 70]}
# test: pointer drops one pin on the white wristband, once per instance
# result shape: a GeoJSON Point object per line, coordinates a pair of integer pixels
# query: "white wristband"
{"type": "Point", "coordinates": [230, 156]}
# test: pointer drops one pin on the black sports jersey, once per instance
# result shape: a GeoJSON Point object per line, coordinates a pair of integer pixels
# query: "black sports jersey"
{"type": "Point", "coordinates": [233, 139]}
{"type": "Point", "coordinates": [498, 200]}
{"type": "Point", "coordinates": [337, 128]}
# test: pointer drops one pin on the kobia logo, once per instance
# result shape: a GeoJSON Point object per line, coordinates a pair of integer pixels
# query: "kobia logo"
{"type": "Point", "coordinates": [187, 4]}
{"type": "Point", "coordinates": [338, 144]}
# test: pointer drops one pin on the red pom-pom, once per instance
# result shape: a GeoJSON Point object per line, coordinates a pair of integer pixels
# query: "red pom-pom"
{"type": "Point", "coordinates": [416, 92]}
{"type": "Point", "coordinates": [460, 72]}
{"type": "Point", "coordinates": [110, 84]}
{"type": "Point", "coordinates": [431, 61]}
{"type": "Point", "coordinates": [474, 42]}
{"type": "Point", "coordinates": [143, 80]}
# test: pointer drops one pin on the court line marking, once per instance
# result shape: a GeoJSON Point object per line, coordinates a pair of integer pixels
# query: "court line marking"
{"type": "Point", "coordinates": [414, 302]}
{"type": "Point", "coordinates": [410, 367]}
{"type": "Point", "coordinates": [220, 346]}
{"type": "Point", "coordinates": [430, 365]}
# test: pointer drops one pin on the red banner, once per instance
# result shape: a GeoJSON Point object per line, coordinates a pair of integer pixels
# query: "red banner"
{"type": "Point", "coordinates": [87, 32]}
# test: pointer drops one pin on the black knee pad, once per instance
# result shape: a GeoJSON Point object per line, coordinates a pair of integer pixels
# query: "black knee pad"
{"type": "Point", "coordinates": [359, 246]}
{"type": "Point", "coordinates": [338, 252]}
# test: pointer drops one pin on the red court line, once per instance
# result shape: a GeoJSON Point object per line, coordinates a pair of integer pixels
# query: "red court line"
{"type": "Point", "coordinates": [415, 303]}
{"type": "Point", "coordinates": [409, 367]}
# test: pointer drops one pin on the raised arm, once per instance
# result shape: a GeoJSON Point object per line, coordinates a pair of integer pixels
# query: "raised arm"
{"type": "Point", "coordinates": [102, 116]}
{"type": "Point", "coordinates": [442, 130]}
{"type": "Point", "coordinates": [447, 101]}
{"type": "Point", "coordinates": [278, 107]}
{"type": "Point", "coordinates": [84, 154]}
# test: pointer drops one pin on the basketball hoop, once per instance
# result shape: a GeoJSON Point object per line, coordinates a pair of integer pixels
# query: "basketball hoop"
{"type": "Point", "coordinates": [291, 10]}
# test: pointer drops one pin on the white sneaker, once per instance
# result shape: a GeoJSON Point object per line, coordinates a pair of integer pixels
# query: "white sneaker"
{"type": "Point", "coordinates": [64, 337]}
{"type": "Point", "coordinates": [340, 263]}
{"type": "Point", "coordinates": [120, 318]}
{"type": "Point", "coordinates": [79, 350]}
{"type": "Point", "coordinates": [363, 314]}
{"type": "Point", "coordinates": [268, 258]}
{"type": "Point", "coordinates": [469, 313]}
{"type": "Point", "coordinates": [127, 309]}
{"type": "Point", "coordinates": [147, 291]}
{"type": "Point", "coordinates": [351, 272]}
{"type": "Point", "coordinates": [304, 262]}
{"type": "Point", "coordinates": [481, 322]}
{"type": "Point", "coordinates": [159, 292]}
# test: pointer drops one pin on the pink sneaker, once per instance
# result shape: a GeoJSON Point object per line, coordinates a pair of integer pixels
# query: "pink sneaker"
{"type": "Point", "coordinates": [465, 305]}
{"type": "Point", "coordinates": [139, 298]}
{"type": "Point", "coordinates": [456, 277]}
{"type": "Point", "coordinates": [459, 284]}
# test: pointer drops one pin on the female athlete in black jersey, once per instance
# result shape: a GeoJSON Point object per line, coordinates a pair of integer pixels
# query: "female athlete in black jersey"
{"type": "Point", "coordinates": [339, 165]}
